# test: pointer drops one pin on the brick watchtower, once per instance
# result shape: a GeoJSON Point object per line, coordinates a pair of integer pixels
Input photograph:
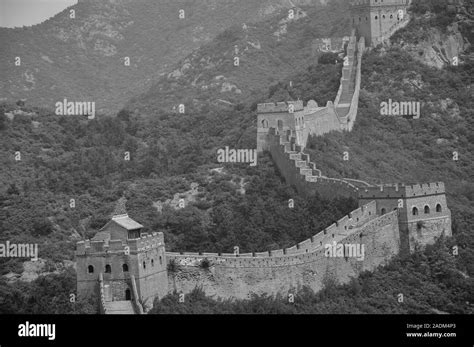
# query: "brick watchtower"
{"type": "Point", "coordinates": [282, 116]}
{"type": "Point", "coordinates": [131, 263]}
{"type": "Point", "coordinates": [377, 20]}
{"type": "Point", "coordinates": [423, 211]}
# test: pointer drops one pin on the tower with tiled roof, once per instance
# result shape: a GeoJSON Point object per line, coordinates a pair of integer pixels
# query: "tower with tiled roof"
{"type": "Point", "coordinates": [122, 263]}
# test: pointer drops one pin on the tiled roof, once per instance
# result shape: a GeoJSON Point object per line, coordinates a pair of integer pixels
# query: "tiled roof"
{"type": "Point", "coordinates": [126, 222]}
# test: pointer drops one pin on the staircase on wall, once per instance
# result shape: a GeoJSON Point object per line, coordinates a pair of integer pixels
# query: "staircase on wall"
{"type": "Point", "coordinates": [297, 168]}
{"type": "Point", "coordinates": [119, 307]}
{"type": "Point", "coordinates": [108, 306]}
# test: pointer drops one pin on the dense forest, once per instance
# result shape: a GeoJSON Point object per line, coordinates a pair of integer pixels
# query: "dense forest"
{"type": "Point", "coordinates": [151, 160]}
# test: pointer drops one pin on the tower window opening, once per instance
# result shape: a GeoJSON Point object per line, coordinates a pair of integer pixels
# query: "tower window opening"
{"type": "Point", "coordinates": [125, 268]}
{"type": "Point", "coordinates": [90, 269]}
{"type": "Point", "coordinates": [439, 208]}
{"type": "Point", "coordinates": [427, 209]}
{"type": "Point", "coordinates": [415, 211]}
{"type": "Point", "coordinates": [108, 269]}
{"type": "Point", "coordinates": [161, 260]}
{"type": "Point", "coordinates": [383, 211]}
{"type": "Point", "coordinates": [152, 262]}
{"type": "Point", "coordinates": [144, 265]}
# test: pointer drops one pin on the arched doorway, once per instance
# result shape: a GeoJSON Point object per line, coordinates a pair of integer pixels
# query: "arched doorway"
{"type": "Point", "coordinates": [128, 295]}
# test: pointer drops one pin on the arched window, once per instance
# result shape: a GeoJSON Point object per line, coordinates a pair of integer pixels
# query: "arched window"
{"type": "Point", "coordinates": [108, 269]}
{"type": "Point", "coordinates": [152, 262]}
{"type": "Point", "coordinates": [427, 209]}
{"type": "Point", "coordinates": [90, 269]}
{"type": "Point", "coordinates": [415, 211]}
{"type": "Point", "coordinates": [439, 208]}
{"type": "Point", "coordinates": [383, 16]}
{"type": "Point", "coordinates": [161, 261]}
{"type": "Point", "coordinates": [383, 211]}
{"type": "Point", "coordinates": [125, 268]}
{"type": "Point", "coordinates": [264, 123]}
{"type": "Point", "coordinates": [144, 265]}
{"type": "Point", "coordinates": [376, 17]}
{"type": "Point", "coordinates": [391, 16]}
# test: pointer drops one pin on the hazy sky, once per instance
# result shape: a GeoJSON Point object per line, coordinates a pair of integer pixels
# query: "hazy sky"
{"type": "Point", "coordinates": [16, 13]}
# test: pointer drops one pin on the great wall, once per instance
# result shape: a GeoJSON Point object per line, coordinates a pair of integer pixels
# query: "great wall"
{"type": "Point", "coordinates": [128, 269]}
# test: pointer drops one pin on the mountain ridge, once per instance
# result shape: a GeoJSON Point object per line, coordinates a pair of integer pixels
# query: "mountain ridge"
{"type": "Point", "coordinates": [83, 58]}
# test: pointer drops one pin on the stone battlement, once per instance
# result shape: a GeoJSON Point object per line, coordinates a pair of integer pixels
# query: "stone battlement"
{"type": "Point", "coordinates": [402, 190]}
{"type": "Point", "coordinates": [119, 246]}
{"type": "Point", "coordinates": [375, 3]}
{"type": "Point", "coordinates": [312, 119]}
{"type": "Point", "coordinates": [280, 107]}
{"type": "Point", "coordinates": [306, 250]}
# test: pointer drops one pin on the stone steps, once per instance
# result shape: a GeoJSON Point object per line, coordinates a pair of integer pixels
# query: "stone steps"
{"type": "Point", "coordinates": [119, 307]}
{"type": "Point", "coordinates": [301, 164]}
{"type": "Point", "coordinates": [295, 156]}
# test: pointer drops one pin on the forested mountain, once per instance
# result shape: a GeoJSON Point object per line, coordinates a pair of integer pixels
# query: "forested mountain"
{"type": "Point", "coordinates": [83, 58]}
{"type": "Point", "coordinates": [64, 158]}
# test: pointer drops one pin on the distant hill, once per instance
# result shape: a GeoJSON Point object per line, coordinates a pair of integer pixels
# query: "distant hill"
{"type": "Point", "coordinates": [268, 52]}
{"type": "Point", "coordinates": [83, 58]}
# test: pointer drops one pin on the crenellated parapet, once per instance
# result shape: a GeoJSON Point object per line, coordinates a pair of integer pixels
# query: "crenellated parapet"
{"type": "Point", "coordinates": [280, 107]}
{"type": "Point", "coordinates": [378, 3]}
{"type": "Point", "coordinates": [402, 190]}
{"type": "Point", "coordinates": [287, 270]}
{"type": "Point", "coordinates": [102, 247]}
{"type": "Point", "coordinates": [305, 250]}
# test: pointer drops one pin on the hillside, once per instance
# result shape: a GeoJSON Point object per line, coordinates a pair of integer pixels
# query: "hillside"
{"type": "Point", "coordinates": [267, 52]}
{"type": "Point", "coordinates": [83, 58]}
{"type": "Point", "coordinates": [64, 158]}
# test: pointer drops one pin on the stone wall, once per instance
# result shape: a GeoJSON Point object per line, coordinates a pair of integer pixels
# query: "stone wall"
{"type": "Point", "coordinates": [312, 119]}
{"type": "Point", "coordinates": [348, 119]}
{"type": "Point", "coordinates": [302, 173]}
{"type": "Point", "coordinates": [283, 271]}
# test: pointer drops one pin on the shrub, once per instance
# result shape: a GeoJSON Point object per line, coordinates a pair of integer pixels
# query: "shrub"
{"type": "Point", "coordinates": [205, 263]}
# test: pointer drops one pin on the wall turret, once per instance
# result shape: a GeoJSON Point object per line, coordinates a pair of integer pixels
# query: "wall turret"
{"type": "Point", "coordinates": [423, 210]}
{"type": "Point", "coordinates": [376, 20]}
{"type": "Point", "coordinates": [140, 258]}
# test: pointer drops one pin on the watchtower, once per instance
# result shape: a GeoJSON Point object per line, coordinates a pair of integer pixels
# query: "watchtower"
{"type": "Point", "coordinates": [130, 263]}
{"type": "Point", "coordinates": [377, 20]}
{"type": "Point", "coordinates": [422, 209]}
{"type": "Point", "coordinates": [282, 116]}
